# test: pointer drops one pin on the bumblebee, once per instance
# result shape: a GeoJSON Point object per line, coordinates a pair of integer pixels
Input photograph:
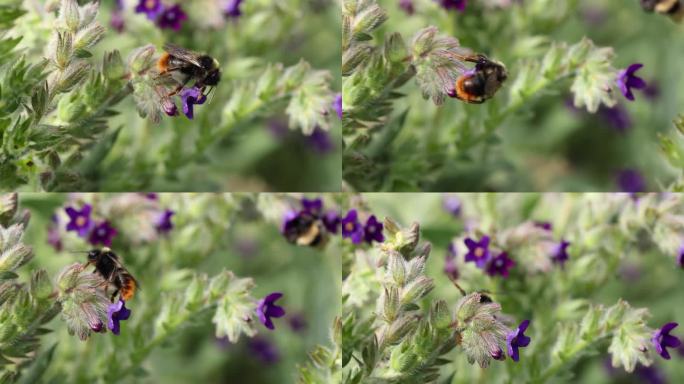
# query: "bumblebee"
{"type": "Point", "coordinates": [305, 229]}
{"type": "Point", "coordinates": [477, 85]}
{"type": "Point", "coordinates": [108, 265]}
{"type": "Point", "coordinates": [189, 65]}
{"type": "Point", "coordinates": [672, 8]}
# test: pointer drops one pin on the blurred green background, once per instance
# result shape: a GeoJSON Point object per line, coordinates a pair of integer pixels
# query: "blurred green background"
{"type": "Point", "coordinates": [645, 278]}
{"type": "Point", "coordinates": [250, 247]}
{"type": "Point", "coordinates": [547, 145]}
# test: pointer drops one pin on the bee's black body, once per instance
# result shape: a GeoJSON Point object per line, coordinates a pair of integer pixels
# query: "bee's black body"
{"type": "Point", "coordinates": [107, 264]}
{"type": "Point", "coordinates": [672, 8]}
{"type": "Point", "coordinates": [202, 68]}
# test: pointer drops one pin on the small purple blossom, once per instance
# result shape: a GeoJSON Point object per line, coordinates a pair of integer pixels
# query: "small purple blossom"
{"type": "Point", "coordinates": [313, 206]}
{"type": "Point", "coordinates": [331, 220]}
{"type": "Point", "coordinates": [450, 268]}
{"type": "Point", "coordinates": [352, 228]}
{"type": "Point", "coordinates": [452, 204]}
{"type": "Point", "coordinates": [102, 233]}
{"type": "Point", "coordinates": [662, 340]}
{"type": "Point", "coordinates": [53, 236]}
{"type": "Point", "coordinates": [517, 339]}
{"type": "Point", "coordinates": [266, 309]}
{"type": "Point", "coordinates": [478, 251]}
{"type": "Point", "coordinates": [115, 313]}
{"type": "Point", "coordinates": [630, 180]}
{"type": "Point", "coordinates": [337, 105]}
{"type": "Point", "coordinates": [458, 5]}
{"type": "Point", "coordinates": [559, 252]}
{"type": "Point", "coordinates": [190, 97]}
{"type": "Point", "coordinates": [172, 18]}
{"type": "Point", "coordinates": [298, 322]}
{"type": "Point", "coordinates": [79, 221]}
{"type": "Point", "coordinates": [164, 224]}
{"type": "Point", "coordinates": [264, 350]}
{"type": "Point", "coordinates": [320, 141]}
{"type": "Point", "coordinates": [617, 117]}
{"type": "Point", "coordinates": [151, 8]}
{"type": "Point", "coordinates": [499, 265]}
{"type": "Point", "coordinates": [407, 6]}
{"type": "Point", "coordinates": [232, 8]}
{"type": "Point", "coordinates": [627, 80]}
{"type": "Point", "coordinates": [373, 230]}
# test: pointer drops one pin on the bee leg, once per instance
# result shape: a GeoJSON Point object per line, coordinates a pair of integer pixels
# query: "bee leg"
{"type": "Point", "coordinates": [114, 295]}
{"type": "Point", "coordinates": [179, 88]}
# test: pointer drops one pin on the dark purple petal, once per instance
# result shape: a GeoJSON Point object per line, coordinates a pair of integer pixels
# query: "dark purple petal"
{"type": "Point", "coordinates": [630, 180]}
{"type": "Point", "coordinates": [337, 105]}
{"type": "Point", "coordinates": [352, 228]}
{"type": "Point", "coordinates": [662, 340]}
{"type": "Point", "coordinates": [313, 206]}
{"type": "Point", "coordinates": [232, 8]}
{"type": "Point", "coordinates": [407, 6]}
{"type": "Point", "coordinates": [373, 230]}
{"type": "Point", "coordinates": [459, 5]}
{"type": "Point", "coordinates": [79, 221]}
{"type": "Point", "coordinates": [102, 234]}
{"type": "Point", "coordinates": [266, 309]}
{"type": "Point", "coordinates": [516, 339]}
{"type": "Point", "coordinates": [478, 252]}
{"type": "Point", "coordinates": [499, 265]}
{"type": "Point", "coordinates": [172, 18]}
{"type": "Point", "coordinates": [626, 80]}
{"type": "Point", "coordinates": [331, 220]}
{"type": "Point", "coordinates": [264, 350]}
{"type": "Point", "coordinates": [190, 97]}
{"type": "Point", "coordinates": [115, 313]}
{"type": "Point", "coordinates": [152, 8]}
{"type": "Point", "coordinates": [164, 224]}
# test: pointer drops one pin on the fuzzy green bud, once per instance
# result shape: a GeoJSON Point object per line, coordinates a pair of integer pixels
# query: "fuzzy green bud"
{"type": "Point", "coordinates": [440, 316]}
{"type": "Point", "coordinates": [14, 257]}
{"type": "Point", "coordinates": [63, 50]}
{"type": "Point", "coordinates": [8, 207]}
{"type": "Point", "coordinates": [417, 289]}
{"type": "Point", "coordinates": [397, 268]}
{"type": "Point", "coordinates": [396, 331]}
{"type": "Point", "coordinates": [70, 15]}
{"type": "Point", "coordinates": [141, 59]}
{"type": "Point", "coordinates": [389, 302]}
{"type": "Point", "coordinates": [40, 287]}
{"type": "Point", "coordinates": [72, 76]}
{"type": "Point", "coordinates": [89, 36]}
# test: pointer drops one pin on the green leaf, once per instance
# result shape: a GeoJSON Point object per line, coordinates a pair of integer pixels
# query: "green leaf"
{"type": "Point", "coordinates": [38, 368]}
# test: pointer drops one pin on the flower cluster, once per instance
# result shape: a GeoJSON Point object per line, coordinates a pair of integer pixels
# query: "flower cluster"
{"type": "Point", "coordinates": [369, 232]}
{"type": "Point", "coordinates": [166, 17]}
{"type": "Point", "coordinates": [482, 256]}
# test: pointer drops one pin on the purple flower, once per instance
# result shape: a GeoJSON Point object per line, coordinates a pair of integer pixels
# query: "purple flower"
{"type": "Point", "coordinates": [680, 257]}
{"type": "Point", "coordinates": [102, 234]}
{"type": "Point", "coordinates": [499, 265]}
{"type": "Point", "coordinates": [337, 105]}
{"type": "Point", "coordinates": [117, 21]}
{"type": "Point", "coordinates": [172, 18]}
{"type": "Point", "coordinates": [331, 220]}
{"type": "Point", "coordinates": [320, 142]}
{"type": "Point", "coordinates": [662, 339]}
{"type": "Point", "coordinates": [169, 107]}
{"type": "Point", "coordinates": [53, 236]}
{"type": "Point", "coordinates": [630, 180]}
{"type": "Point", "coordinates": [297, 322]}
{"type": "Point", "coordinates": [266, 309]}
{"type": "Point", "coordinates": [407, 6]}
{"type": "Point", "coordinates": [517, 339]}
{"type": "Point", "coordinates": [373, 230]}
{"type": "Point", "coordinates": [116, 313]}
{"type": "Point", "coordinates": [452, 204]}
{"type": "Point", "coordinates": [453, 4]}
{"type": "Point", "coordinates": [264, 350]}
{"type": "Point", "coordinates": [164, 224]}
{"type": "Point", "coordinates": [190, 97]}
{"type": "Point", "coordinates": [617, 117]}
{"type": "Point", "coordinates": [313, 206]}
{"type": "Point", "coordinates": [79, 221]}
{"type": "Point", "coordinates": [450, 268]}
{"type": "Point", "coordinates": [478, 252]}
{"type": "Point", "coordinates": [152, 8]}
{"type": "Point", "coordinates": [559, 252]}
{"type": "Point", "coordinates": [351, 227]}
{"type": "Point", "coordinates": [152, 196]}
{"type": "Point", "coordinates": [545, 225]}
{"type": "Point", "coordinates": [232, 8]}
{"type": "Point", "coordinates": [627, 80]}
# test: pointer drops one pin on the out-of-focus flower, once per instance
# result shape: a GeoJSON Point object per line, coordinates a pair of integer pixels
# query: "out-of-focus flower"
{"type": "Point", "coordinates": [680, 257]}
{"type": "Point", "coordinates": [79, 221]}
{"type": "Point", "coordinates": [499, 265]}
{"type": "Point", "coordinates": [264, 350]}
{"type": "Point", "coordinates": [172, 18]}
{"type": "Point", "coordinates": [517, 339]}
{"type": "Point", "coordinates": [331, 220]}
{"type": "Point", "coordinates": [662, 340]}
{"type": "Point", "coordinates": [164, 224]}
{"type": "Point", "coordinates": [450, 268]}
{"type": "Point", "coordinates": [116, 313]}
{"type": "Point", "coordinates": [652, 90]}
{"type": "Point", "coordinates": [351, 227]}
{"type": "Point", "coordinates": [190, 97]}
{"type": "Point", "coordinates": [630, 180]}
{"type": "Point", "coordinates": [102, 234]}
{"type": "Point", "coordinates": [232, 8]}
{"type": "Point", "coordinates": [266, 309]}
{"type": "Point", "coordinates": [313, 206]}
{"type": "Point", "coordinates": [320, 141]}
{"type": "Point", "coordinates": [650, 374]}
{"type": "Point", "coordinates": [151, 8]}
{"type": "Point", "coordinates": [407, 6]}
{"type": "Point", "coordinates": [478, 251]}
{"type": "Point", "coordinates": [373, 230]}
{"type": "Point", "coordinates": [453, 4]}
{"type": "Point", "coordinates": [337, 104]}
{"type": "Point", "coordinates": [627, 80]}
{"type": "Point", "coordinates": [117, 20]}
{"type": "Point", "coordinates": [559, 252]}
{"type": "Point", "coordinates": [53, 236]}
{"type": "Point", "coordinates": [545, 225]}
{"type": "Point", "coordinates": [297, 322]}
{"type": "Point", "coordinates": [617, 117]}
{"type": "Point", "coordinates": [452, 204]}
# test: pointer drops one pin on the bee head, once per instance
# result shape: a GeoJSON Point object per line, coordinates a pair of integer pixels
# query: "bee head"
{"type": "Point", "coordinates": [213, 77]}
{"type": "Point", "coordinates": [93, 255]}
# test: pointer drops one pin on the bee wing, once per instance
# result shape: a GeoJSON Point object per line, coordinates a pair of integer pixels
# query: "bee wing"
{"type": "Point", "coordinates": [461, 55]}
{"type": "Point", "coordinates": [183, 54]}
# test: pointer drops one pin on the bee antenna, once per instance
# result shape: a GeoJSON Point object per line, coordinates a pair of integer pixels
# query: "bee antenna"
{"type": "Point", "coordinates": [463, 292]}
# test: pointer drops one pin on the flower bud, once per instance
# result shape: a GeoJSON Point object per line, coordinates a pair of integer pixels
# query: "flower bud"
{"type": "Point", "coordinates": [403, 359]}
{"type": "Point", "coordinates": [417, 289]}
{"type": "Point", "coordinates": [70, 15]}
{"type": "Point", "coordinates": [353, 57]}
{"type": "Point", "coordinates": [87, 37]}
{"type": "Point", "coordinates": [40, 288]}
{"type": "Point", "coordinates": [63, 49]}
{"type": "Point", "coordinates": [397, 269]}
{"type": "Point", "coordinates": [14, 257]}
{"type": "Point", "coordinates": [195, 291]}
{"type": "Point", "coordinates": [72, 76]}
{"type": "Point", "coordinates": [440, 316]}
{"type": "Point", "coordinates": [88, 13]}
{"type": "Point", "coordinates": [368, 20]}
{"type": "Point", "coordinates": [395, 48]}
{"type": "Point", "coordinates": [415, 268]}
{"type": "Point", "coordinates": [389, 303]}
{"type": "Point", "coordinates": [399, 329]}
{"type": "Point", "coordinates": [141, 59]}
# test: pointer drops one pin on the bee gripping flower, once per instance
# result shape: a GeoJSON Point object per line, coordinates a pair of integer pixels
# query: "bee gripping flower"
{"type": "Point", "coordinates": [662, 340]}
{"type": "Point", "coordinates": [627, 80]}
{"type": "Point", "coordinates": [478, 251]}
{"type": "Point", "coordinates": [79, 221]}
{"type": "Point", "coordinates": [266, 309]}
{"type": "Point", "coordinates": [516, 339]}
{"type": "Point", "coordinates": [116, 313]}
